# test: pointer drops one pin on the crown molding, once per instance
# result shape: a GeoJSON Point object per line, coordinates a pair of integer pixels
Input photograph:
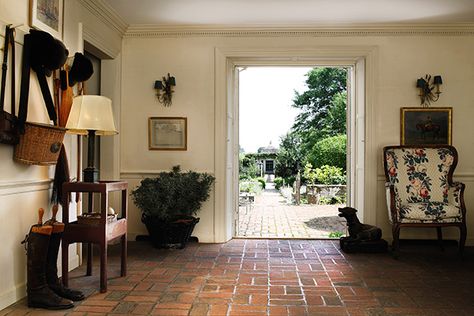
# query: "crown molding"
{"type": "Point", "coordinates": [148, 30]}
{"type": "Point", "coordinates": [106, 14]}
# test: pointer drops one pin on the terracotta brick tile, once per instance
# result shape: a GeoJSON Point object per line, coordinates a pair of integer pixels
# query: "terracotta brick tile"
{"type": "Point", "coordinates": [297, 310]}
{"type": "Point", "coordinates": [218, 310]}
{"type": "Point", "coordinates": [259, 299]}
{"type": "Point", "coordinates": [135, 298]}
{"type": "Point", "coordinates": [173, 306]}
{"type": "Point", "coordinates": [241, 299]}
{"type": "Point", "coordinates": [143, 309]}
{"type": "Point", "coordinates": [199, 309]}
{"type": "Point", "coordinates": [278, 310]}
{"type": "Point", "coordinates": [93, 309]}
{"type": "Point", "coordinates": [169, 312]}
{"type": "Point", "coordinates": [247, 308]}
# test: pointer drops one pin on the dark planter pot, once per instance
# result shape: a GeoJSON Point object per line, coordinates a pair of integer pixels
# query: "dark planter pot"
{"type": "Point", "coordinates": [174, 233]}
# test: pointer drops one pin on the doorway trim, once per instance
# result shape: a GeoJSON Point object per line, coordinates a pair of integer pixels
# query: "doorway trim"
{"type": "Point", "coordinates": [360, 58]}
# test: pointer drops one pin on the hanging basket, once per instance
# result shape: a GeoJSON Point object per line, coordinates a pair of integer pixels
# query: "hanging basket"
{"type": "Point", "coordinates": [40, 144]}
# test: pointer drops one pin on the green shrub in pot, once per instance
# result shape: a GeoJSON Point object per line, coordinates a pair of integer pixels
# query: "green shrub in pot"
{"type": "Point", "coordinates": [172, 197]}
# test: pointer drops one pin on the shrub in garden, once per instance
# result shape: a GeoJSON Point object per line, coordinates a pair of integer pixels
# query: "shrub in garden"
{"type": "Point", "coordinates": [262, 182]}
{"type": "Point", "coordinates": [279, 182]}
{"type": "Point", "coordinates": [329, 151]}
{"type": "Point", "coordinates": [325, 175]}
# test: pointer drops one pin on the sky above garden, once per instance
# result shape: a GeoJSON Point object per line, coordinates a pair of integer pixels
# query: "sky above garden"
{"type": "Point", "coordinates": [265, 98]}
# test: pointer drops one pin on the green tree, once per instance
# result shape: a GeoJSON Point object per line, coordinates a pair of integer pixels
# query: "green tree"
{"type": "Point", "coordinates": [335, 122]}
{"type": "Point", "coordinates": [289, 157]}
{"type": "Point", "coordinates": [323, 84]}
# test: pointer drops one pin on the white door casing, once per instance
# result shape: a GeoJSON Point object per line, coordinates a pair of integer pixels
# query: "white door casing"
{"type": "Point", "coordinates": [359, 60]}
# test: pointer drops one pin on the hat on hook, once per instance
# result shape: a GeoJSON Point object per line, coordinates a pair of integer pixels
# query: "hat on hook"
{"type": "Point", "coordinates": [81, 69]}
{"type": "Point", "coordinates": [47, 53]}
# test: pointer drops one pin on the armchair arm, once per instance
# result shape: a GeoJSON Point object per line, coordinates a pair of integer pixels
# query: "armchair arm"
{"type": "Point", "coordinates": [393, 205]}
{"type": "Point", "coordinates": [456, 195]}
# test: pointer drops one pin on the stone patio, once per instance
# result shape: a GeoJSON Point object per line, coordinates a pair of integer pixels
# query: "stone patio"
{"type": "Point", "coordinates": [272, 216]}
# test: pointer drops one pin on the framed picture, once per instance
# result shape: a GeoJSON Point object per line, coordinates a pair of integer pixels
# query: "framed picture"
{"type": "Point", "coordinates": [167, 133]}
{"type": "Point", "coordinates": [426, 126]}
{"type": "Point", "coordinates": [47, 15]}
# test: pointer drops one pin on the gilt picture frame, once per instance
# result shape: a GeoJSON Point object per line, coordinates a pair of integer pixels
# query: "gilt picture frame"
{"type": "Point", "coordinates": [426, 126]}
{"type": "Point", "coordinates": [167, 133]}
{"type": "Point", "coordinates": [47, 15]}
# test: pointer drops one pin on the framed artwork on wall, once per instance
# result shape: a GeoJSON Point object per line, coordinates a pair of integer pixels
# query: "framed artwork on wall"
{"type": "Point", "coordinates": [47, 15]}
{"type": "Point", "coordinates": [167, 133]}
{"type": "Point", "coordinates": [426, 126]}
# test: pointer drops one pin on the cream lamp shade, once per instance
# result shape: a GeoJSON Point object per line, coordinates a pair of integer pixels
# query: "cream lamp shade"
{"type": "Point", "coordinates": [91, 113]}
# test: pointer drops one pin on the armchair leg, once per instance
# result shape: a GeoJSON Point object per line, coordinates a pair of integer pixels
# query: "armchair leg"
{"type": "Point", "coordinates": [440, 238]}
{"type": "Point", "coordinates": [396, 239]}
{"type": "Point", "coordinates": [462, 240]}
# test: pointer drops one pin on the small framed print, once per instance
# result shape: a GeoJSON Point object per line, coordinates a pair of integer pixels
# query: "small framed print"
{"type": "Point", "coordinates": [426, 126]}
{"type": "Point", "coordinates": [47, 15]}
{"type": "Point", "coordinates": [167, 133]}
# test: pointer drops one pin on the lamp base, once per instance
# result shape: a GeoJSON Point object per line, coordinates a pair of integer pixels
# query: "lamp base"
{"type": "Point", "coordinates": [90, 174]}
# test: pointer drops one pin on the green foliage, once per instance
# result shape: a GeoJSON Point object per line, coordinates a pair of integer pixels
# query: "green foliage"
{"type": "Point", "coordinates": [248, 168]}
{"type": "Point", "coordinates": [329, 151]}
{"type": "Point", "coordinates": [323, 84]}
{"type": "Point", "coordinates": [326, 200]}
{"type": "Point", "coordinates": [335, 122]}
{"type": "Point", "coordinates": [325, 175]}
{"type": "Point", "coordinates": [279, 182]}
{"type": "Point", "coordinates": [250, 186]}
{"type": "Point", "coordinates": [336, 234]}
{"type": "Point", "coordinates": [289, 157]}
{"type": "Point", "coordinates": [309, 174]}
{"type": "Point", "coordinates": [173, 193]}
{"type": "Point", "coordinates": [262, 182]}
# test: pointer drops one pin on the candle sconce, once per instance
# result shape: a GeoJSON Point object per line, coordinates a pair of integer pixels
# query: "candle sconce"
{"type": "Point", "coordinates": [164, 90]}
{"type": "Point", "coordinates": [429, 89]}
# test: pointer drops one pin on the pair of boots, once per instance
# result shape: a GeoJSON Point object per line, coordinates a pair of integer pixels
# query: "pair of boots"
{"type": "Point", "coordinates": [43, 286]}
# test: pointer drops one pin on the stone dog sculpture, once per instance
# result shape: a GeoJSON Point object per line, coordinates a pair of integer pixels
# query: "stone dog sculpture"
{"type": "Point", "coordinates": [362, 237]}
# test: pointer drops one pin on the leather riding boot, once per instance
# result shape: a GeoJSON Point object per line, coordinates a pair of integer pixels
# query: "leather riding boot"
{"type": "Point", "coordinates": [39, 294]}
{"type": "Point", "coordinates": [52, 268]}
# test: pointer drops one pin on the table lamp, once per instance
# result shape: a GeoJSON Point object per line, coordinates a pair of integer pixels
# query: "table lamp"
{"type": "Point", "coordinates": [91, 115]}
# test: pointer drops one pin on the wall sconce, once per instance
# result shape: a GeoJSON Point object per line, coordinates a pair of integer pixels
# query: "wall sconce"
{"type": "Point", "coordinates": [164, 90]}
{"type": "Point", "coordinates": [426, 86]}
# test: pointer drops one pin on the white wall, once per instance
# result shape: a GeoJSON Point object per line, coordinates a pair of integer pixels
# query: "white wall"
{"type": "Point", "coordinates": [400, 60]}
{"type": "Point", "coordinates": [24, 189]}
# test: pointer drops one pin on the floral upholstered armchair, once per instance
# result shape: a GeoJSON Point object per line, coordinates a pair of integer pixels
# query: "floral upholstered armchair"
{"type": "Point", "coordinates": [420, 189]}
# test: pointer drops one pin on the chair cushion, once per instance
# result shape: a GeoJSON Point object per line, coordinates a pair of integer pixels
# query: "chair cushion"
{"type": "Point", "coordinates": [420, 175]}
{"type": "Point", "coordinates": [431, 212]}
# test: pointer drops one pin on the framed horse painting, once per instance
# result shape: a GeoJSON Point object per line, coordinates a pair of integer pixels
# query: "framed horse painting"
{"type": "Point", "coordinates": [426, 126]}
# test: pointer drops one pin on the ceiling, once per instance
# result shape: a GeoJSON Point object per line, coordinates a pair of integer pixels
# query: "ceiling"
{"type": "Point", "coordinates": [293, 12]}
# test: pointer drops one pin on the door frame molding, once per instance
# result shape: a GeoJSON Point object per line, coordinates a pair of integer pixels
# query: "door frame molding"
{"type": "Point", "coordinates": [362, 58]}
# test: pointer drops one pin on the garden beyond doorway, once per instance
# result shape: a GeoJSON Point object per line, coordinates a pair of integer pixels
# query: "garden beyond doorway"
{"type": "Point", "coordinates": [293, 189]}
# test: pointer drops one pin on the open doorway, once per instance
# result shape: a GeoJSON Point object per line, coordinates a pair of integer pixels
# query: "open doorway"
{"type": "Point", "coordinates": [293, 162]}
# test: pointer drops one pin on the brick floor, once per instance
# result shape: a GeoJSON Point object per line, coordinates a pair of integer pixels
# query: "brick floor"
{"type": "Point", "coordinates": [271, 216]}
{"type": "Point", "coordinates": [276, 277]}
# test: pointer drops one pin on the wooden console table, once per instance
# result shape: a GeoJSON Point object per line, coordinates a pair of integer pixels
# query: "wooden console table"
{"type": "Point", "coordinates": [100, 233]}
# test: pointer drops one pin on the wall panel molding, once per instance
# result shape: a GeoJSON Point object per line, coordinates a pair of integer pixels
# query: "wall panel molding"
{"type": "Point", "coordinates": [18, 187]}
{"type": "Point", "coordinates": [140, 174]}
{"type": "Point", "coordinates": [146, 30]}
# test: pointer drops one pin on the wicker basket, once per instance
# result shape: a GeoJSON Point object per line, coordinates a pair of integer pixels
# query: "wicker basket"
{"type": "Point", "coordinates": [40, 144]}
{"type": "Point", "coordinates": [94, 218]}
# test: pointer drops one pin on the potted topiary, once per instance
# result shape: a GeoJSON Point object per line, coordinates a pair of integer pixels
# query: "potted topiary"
{"type": "Point", "coordinates": [169, 203]}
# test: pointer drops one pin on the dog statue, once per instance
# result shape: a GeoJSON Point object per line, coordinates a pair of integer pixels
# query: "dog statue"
{"type": "Point", "coordinates": [362, 237]}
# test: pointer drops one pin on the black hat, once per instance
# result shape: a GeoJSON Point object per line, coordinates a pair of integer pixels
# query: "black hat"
{"type": "Point", "coordinates": [46, 52]}
{"type": "Point", "coordinates": [81, 69]}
